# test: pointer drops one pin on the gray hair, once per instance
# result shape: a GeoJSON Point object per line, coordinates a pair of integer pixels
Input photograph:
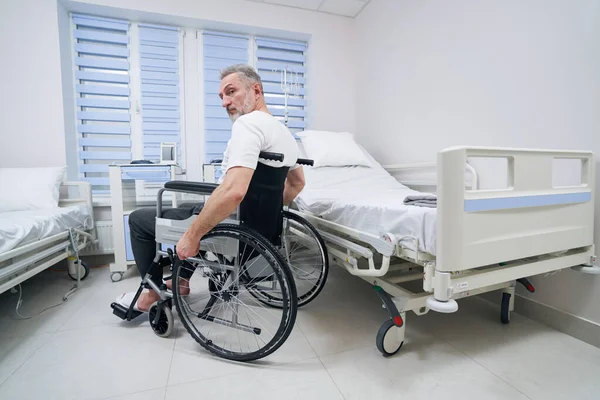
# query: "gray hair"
{"type": "Point", "coordinates": [245, 72]}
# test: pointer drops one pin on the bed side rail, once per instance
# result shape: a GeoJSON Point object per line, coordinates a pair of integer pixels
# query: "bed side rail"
{"type": "Point", "coordinates": [424, 174]}
{"type": "Point", "coordinates": [530, 217]}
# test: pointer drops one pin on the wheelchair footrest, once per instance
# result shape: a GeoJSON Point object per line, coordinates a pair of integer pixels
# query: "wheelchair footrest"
{"type": "Point", "coordinates": [121, 311]}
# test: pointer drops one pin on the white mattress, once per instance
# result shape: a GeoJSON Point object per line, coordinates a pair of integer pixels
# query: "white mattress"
{"type": "Point", "coordinates": [18, 228]}
{"type": "Point", "coordinates": [369, 200]}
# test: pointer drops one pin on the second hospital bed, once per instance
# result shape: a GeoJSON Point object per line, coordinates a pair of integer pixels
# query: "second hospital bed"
{"type": "Point", "coordinates": [467, 242]}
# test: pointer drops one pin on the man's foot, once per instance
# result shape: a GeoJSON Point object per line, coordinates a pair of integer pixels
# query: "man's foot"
{"type": "Point", "coordinates": [184, 286]}
{"type": "Point", "coordinates": [143, 303]}
{"type": "Point", "coordinates": [146, 300]}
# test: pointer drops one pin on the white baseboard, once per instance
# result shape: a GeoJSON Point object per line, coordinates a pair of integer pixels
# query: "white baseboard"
{"type": "Point", "coordinates": [572, 325]}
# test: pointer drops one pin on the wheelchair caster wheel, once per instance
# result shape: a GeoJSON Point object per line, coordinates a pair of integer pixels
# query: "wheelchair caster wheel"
{"type": "Point", "coordinates": [84, 270]}
{"type": "Point", "coordinates": [116, 276]}
{"type": "Point", "coordinates": [163, 324]}
{"type": "Point", "coordinates": [388, 339]}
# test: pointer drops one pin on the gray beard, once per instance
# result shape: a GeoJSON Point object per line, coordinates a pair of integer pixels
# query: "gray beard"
{"type": "Point", "coordinates": [245, 109]}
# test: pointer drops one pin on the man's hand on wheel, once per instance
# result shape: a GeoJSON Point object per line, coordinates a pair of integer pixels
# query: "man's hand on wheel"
{"type": "Point", "coordinates": [188, 246]}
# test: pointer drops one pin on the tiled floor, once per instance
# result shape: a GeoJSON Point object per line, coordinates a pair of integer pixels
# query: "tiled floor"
{"type": "Point", "coordinates": [79, 350]}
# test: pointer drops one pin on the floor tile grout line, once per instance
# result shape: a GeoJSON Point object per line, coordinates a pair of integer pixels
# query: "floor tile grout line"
{"type": "Point", "coordinates": [74, 313]}
{"type": "Point", "coordinates": [321, 361]}
{"type": "Point", "coordinates": [482, 366]}
{"type": "Point", "coordinates": [239, 372]}
{"type": "Point", "coordinates": [45, 342]}
{"type": "Point", "coordinates": [132, 393]}
{"type": "Point", "coordinates": [332, 380]}
{"type": "Point", "coordinates": [171, 363]}
{"type": "Point", "coordinates": [435, 335]}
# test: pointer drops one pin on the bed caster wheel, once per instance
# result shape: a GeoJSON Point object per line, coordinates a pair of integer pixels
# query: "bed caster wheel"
{"type": "Point", "coordinates": [505, 308]}
{"type": "Point", "coordinates": [162, 325]}
{"type": "Point", "coordinates": [116, 276]}
{"type": "Point", "coordinates": [389, 339]}
{"type": "Point", "coordinates": [84, 269]}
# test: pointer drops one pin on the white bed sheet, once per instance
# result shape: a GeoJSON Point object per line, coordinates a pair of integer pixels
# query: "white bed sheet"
{"type": "Point", "coordinates": [18, 228]}
{"type": "Point", "coordinates": [368, 200]}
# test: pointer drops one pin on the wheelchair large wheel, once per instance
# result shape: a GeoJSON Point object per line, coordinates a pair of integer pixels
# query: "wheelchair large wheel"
{"type": "Point", "coordinates": [304, 250]}
{"type": "Point", "coordinates": [219, 311]}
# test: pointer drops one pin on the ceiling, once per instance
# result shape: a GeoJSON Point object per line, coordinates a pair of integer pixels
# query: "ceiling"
{"type": "Point", "coordinates": [346, 8]}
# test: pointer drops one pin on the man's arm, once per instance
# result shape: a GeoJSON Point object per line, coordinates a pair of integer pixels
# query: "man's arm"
{"type": "Point", "coordinates": [221, 204]}
{"type": "Point", "coordinates": [293, 184]}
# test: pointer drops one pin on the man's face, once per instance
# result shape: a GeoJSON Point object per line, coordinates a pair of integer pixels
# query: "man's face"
{"type": "Point", "coordinates": [236, 98]}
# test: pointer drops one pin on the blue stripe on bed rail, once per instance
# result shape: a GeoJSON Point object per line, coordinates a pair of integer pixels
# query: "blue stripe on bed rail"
{"type": "Point", "coordinates": [504, 203]}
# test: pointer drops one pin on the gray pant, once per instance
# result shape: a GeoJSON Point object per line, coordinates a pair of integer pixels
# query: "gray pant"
{"type": "Point", "coordinates": [142, 226]}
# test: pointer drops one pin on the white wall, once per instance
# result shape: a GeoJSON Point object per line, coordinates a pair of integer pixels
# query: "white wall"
{"type": "Point", "coordinates": [31, 116]}
{"type": "Point", "coordinates": [433, 74]}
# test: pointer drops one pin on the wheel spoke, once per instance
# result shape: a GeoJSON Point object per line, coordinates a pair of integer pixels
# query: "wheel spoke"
{"type": "Point", "coordinates": [222, 312]}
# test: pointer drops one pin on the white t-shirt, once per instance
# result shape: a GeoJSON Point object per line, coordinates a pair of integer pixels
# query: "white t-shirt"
{"type": "Point", "coordinates": [255, 132]}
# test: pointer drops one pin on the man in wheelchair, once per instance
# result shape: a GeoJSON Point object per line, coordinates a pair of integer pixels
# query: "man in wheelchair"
{"type": "Point", "coordinates": [254, 131]}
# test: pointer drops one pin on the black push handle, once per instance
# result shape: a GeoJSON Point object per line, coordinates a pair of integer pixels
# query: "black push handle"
{"type": "Point", "coordinates": [263, 154]}
{"type": "Point", "coordinates": [305, 161]}
{"type": "Point", "coordinates": [271, 156]}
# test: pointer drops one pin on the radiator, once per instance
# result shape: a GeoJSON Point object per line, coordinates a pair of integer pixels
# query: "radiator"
{"type": "Point", "coordinates": [105, 240]}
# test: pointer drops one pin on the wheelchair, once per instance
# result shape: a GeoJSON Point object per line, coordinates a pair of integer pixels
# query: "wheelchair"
{"type": "Point", "coordinates": [241, 292]}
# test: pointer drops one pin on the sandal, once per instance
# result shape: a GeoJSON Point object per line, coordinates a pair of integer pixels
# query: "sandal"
{"type": "Point", "coordinates": [125, 300]}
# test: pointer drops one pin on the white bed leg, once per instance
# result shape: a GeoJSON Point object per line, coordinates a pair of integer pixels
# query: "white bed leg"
{"type": "Point", "coordinates": [590, 268]}
{"type": "Point", "coordinates": [507, 305]}
{"type": "Point", "coordinates": [511, 291]}
{"type": "Point", "coordinates": [441, 301]}
{"type": "Point", "coordinates": [75, 249]}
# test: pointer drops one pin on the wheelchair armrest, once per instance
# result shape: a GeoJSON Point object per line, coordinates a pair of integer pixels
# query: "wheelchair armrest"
{"type": "Point", "coordinates": [192, 187]}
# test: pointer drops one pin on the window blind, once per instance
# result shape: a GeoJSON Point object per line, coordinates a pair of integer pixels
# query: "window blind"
{"type": "Point", "coordinates": [273, 56]}
{"type": "Point", "coordinates": [220, 50]}
{"type": "Point", "coordinates": [101, 64]}
{"type": "Point", "coordinates": [160, 91]}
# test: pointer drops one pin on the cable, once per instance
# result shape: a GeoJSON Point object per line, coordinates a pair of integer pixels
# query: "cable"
{"type": "Point", "coordinates": [20, 301]}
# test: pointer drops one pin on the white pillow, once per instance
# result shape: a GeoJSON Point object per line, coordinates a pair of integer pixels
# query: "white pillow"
{"type": "Point", "coordinates": [332, 149]}
{"type": "Point", "coordinates": [30, 188]}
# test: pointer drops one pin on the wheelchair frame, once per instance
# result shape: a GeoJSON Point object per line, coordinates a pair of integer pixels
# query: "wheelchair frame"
{"type": "Point", "coordinates": [169, 232]}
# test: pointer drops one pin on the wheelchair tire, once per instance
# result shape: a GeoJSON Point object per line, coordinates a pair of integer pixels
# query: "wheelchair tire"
{"type": "Point", "coordinates": [307, 292]}
{"type": "Point", "coordinates": [231, 296]}
{"type": "Point", "coordinates": [165, 324]}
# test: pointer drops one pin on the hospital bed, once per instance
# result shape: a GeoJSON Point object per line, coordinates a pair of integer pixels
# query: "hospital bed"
{"type": "Point", "coordinates": [471, 241]}
{"type": "Point", "coordinates": [33, 240]}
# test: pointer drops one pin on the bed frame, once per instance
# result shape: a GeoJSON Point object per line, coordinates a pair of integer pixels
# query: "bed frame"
{"type": "Point", "coordinates": [486, 240]}
{"type": "Point", "coordinates": [21, 263]}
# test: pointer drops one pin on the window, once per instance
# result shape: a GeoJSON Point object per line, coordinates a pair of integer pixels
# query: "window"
{"type": "Point", "coordinates": [220, 50]}
{"type": "Point", "coordinates": [130, 81]}
{"type": "Point", "coordinates": [128, 93]}
{"type": "Point", "coordinates": [160, 103]}
{"type": "Point", "coordinates": [102, 62]}
{"type": "Point", "coordinates": [281, 65]}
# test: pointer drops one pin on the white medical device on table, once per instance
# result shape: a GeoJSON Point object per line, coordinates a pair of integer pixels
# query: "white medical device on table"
{"type": "Point", "coordinates": [133, 186]}
{"type": "Point", "coordinates": [168, 153]}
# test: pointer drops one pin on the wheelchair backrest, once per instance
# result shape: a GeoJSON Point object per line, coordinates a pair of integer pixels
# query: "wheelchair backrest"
{"type": "Point", "coordinates": [262, 206]}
